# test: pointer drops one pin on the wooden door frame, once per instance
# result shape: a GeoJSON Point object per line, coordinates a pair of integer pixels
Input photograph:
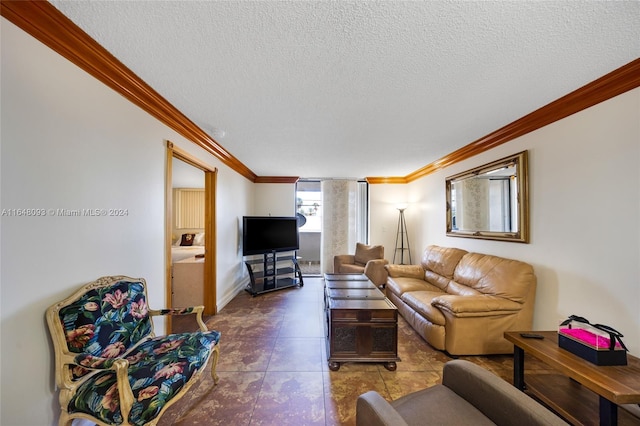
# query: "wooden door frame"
{"type": "Point", "coordinates": [210, 178]}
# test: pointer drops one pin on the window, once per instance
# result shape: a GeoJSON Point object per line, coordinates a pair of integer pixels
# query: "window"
{"type": "Point", "coordinates": [309, 204]}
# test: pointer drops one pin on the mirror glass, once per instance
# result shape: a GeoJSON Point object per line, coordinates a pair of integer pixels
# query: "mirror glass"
{"type": "Point", "coordinates": [490, 201]}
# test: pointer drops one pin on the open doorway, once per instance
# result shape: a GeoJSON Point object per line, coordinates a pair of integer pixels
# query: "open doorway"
{"type": "Point", "coordinates": [309, 205]}
{"type": "Point", "coordinates": [190, 236]}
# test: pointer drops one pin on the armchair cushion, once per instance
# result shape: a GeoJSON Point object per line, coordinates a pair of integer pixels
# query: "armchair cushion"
{"type": "Point", "coordinates": [158, 370]}
{"type": "Point", "coordinates": [351, 268]}
{"type": "Point", "coordinates": [365, 253]}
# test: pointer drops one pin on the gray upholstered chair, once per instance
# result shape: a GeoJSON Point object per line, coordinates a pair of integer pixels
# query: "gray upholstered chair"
{"type": "Point", "coordinates": [368, 260]}
{"type": "Point", "coordinates": [468, 395]}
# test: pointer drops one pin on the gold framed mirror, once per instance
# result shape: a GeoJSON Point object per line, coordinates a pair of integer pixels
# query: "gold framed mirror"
{"type": "Point", "coordinates": [490, 202]}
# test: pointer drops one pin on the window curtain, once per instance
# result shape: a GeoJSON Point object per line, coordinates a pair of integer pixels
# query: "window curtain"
{"type": "Point", "coordinates": [344, 220]}
{"type": "Point", "coordinates": [362, 213]}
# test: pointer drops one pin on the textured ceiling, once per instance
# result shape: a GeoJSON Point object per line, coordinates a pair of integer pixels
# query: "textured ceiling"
{"type": "Point", "coordinates": [359, 88]}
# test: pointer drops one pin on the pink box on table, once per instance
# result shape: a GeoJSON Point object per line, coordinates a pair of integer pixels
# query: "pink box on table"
{"type": "Point", "coordinates": [596, 345]}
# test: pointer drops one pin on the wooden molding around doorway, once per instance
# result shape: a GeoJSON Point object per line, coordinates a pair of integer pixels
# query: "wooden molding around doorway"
{"type": "Point", "coordinates": [210, 287]}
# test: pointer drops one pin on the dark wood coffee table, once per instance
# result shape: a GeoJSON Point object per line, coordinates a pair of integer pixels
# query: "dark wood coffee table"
{"type": "Point", "coordinates": [361, 324]}
{"type": "Point", "coordinates": [582, 391]}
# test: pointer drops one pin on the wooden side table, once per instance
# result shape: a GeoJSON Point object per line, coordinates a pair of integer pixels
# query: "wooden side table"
{"type": "Point", "coordinates": [613, 385]}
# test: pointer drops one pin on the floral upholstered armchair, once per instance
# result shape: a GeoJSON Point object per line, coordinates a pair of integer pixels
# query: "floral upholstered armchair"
{"type": "Point", "coordinates": [110, 367]}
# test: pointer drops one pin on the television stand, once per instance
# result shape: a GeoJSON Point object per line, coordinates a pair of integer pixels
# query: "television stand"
{"type": "Point", "coordinates": [273, 271]}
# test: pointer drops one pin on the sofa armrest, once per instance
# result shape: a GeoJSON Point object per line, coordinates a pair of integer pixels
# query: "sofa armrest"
{"type": "Point", "coordinates": [494, 397]}
{"type": "Point", "coordinates": [409, 271]}
{"type": "Point", "coordinates": [341, 259]}
{"type": "Point", "coordinates": [375, 271]}
{"type": "Point", "coordinates": [373, 410]}
{"type": "Point", "coordinates": [474, 305]}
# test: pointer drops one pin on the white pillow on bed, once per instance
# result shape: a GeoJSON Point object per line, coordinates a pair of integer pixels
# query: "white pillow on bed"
{"type": "Point", "coordinates": [199, 239]}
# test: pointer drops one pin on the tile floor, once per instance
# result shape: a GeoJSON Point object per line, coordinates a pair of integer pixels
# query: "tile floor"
{"type": "Point", "coordinates": [273, 368]}
{"type": "Point", "coordinates": [310, 268]}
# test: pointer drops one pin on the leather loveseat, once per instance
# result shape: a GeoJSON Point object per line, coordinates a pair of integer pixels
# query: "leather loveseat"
{"type": "Point", "coordinates": [462, 302]}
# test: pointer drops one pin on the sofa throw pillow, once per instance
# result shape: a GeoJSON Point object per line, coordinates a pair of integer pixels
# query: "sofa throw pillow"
{"type": "Point", "coordinates": [365, 253]}
{"type": "Point", "coordinates": [187, 239]}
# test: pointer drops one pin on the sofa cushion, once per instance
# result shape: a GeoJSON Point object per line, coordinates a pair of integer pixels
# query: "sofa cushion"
{"type": "Point", "coordinates": [442, 260]}
{"type": "Point", "coordinates": [497, 276]}
{"type": "Point", "coordinates": [460, 289]}
{"type": "Point", "coordinates": [475, 305]}
{"type": "Point", "coordinates": [437, 280]}
{"type": "Point", "coordinates": [402, 285]}
{"type": "Point", "coordinates": [420, 301]}
{"type": "Point", "coordinates": [410, 271]}
{"type": "Point", "coordinates": [365, 253]}
{"type": "Point", "coordinates": [438, 405]}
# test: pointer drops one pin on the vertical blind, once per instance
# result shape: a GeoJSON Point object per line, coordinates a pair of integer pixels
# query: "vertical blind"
{"type": "Point", "coordinates": [188, 209]}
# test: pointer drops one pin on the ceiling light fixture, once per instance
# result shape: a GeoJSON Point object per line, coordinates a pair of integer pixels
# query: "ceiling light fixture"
{"type": "Point", "coordinates": [213, 131]}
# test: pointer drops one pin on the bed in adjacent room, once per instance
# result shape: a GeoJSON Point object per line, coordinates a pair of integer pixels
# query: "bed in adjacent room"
{"type": "Point", "coordinates": [186, 246]}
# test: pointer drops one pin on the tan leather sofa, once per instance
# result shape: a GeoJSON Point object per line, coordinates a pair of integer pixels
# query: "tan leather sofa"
{"type": "Point", "coordinates": [468, 395]}
{"type": "Point", "coordinates": [462, 302]}
{"type": "Point", "coordinates": [368, 260]}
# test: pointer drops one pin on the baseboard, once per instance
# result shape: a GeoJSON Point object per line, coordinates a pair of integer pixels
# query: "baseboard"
{"type": "Point", "coordinates": [234, 291]}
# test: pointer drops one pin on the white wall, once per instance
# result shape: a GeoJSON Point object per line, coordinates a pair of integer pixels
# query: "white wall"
{"type": "Point", "coordinates": [69, 142]}
{"type": "Point", "coordinates": [584, 186]}
{"type": "Point", "coordinates": [384, 217]}
{"type": "Point", "coordinates": [275, 199]}
{"type": "Point", "coordinates": [185, 175]}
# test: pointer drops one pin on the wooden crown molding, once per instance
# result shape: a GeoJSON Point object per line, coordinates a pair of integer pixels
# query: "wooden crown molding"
{"type": "Point", "coordinates": [613, 84]}
{"type": "Point", "coordinates": [276, 179]}
{"type": "Point", "coordinates": [379, 180]}
{"type": "Point", "coordinates": [47, 24]}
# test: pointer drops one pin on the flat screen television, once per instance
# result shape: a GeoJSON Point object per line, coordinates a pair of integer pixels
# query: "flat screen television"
{"type": "Point", "coordinates": [266, 234]}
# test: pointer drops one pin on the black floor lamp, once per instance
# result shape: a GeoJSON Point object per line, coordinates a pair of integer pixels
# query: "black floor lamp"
{"type": "Point", "coordinates": [402, 238]}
